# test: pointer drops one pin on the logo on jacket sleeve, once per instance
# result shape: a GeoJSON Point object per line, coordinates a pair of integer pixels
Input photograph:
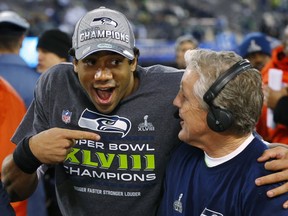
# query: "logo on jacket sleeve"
{"type": "Point", "coordinates": [104, 123]}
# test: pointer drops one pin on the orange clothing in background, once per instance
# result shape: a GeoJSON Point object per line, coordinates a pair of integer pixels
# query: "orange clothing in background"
{"type": "Point", "coordinates": [280, 133]}
{"type": "Point", "coordinates": [12, 110]}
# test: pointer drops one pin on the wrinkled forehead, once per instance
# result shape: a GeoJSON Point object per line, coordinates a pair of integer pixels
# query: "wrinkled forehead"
{"type": "Point", "coordinates": [188, 76]}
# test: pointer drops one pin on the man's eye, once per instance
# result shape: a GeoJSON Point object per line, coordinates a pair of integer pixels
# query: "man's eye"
{"type": "Point", "coordinates": [90, 62]}
{"type": "Point", "coordinates": [116, 62]}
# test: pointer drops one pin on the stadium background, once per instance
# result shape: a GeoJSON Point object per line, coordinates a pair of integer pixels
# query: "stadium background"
{"type": "Point", "coordinates": [217, 24]}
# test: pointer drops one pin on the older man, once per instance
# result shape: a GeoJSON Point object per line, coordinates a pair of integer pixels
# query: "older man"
{"type": "Point", "coordinates": [214, 171]}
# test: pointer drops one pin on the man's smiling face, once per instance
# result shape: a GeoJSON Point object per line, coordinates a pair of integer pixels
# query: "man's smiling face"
{"type": "Point", "coordinates": [107, 77]}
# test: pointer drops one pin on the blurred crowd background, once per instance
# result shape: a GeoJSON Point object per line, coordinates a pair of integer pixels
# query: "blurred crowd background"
{"type": "Point", "coordinates": [216, 24]}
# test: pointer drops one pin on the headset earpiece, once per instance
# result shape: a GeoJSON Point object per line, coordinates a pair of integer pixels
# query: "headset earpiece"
{"type": "Point", "coordinates": [219, 119]}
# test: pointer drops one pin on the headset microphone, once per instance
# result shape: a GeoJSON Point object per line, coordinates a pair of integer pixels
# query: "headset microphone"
{"type": "Point", "coordinates": [176, 114]}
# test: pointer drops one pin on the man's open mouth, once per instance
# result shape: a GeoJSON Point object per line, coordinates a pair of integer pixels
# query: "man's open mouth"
{"type": "Point", "coordinates": [104, 94]}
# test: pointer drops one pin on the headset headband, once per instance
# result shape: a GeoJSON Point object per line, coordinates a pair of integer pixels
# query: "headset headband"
{"type": "Point", "coordinates": [224, 78]}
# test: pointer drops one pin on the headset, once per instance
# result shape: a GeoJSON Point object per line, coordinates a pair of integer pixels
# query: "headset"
{"type": "Point", "coordinates": [219, 119]}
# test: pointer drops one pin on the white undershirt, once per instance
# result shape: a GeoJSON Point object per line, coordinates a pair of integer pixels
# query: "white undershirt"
{"type": "Point", "coordinates": [212, 162]}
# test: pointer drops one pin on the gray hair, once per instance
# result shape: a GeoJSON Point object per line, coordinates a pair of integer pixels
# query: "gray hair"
{"type": "Point", "coordinates": [242, 96]}
{"type": "Point", "coordinates": [185, 38]}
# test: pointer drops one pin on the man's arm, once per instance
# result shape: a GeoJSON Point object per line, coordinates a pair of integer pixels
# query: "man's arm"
{"type": "Point", "coordinates": [19, 171]}
{"type": "Point", "coordinates": [278, 165]}
{"type": "Point", "coordinates": [18, 184]}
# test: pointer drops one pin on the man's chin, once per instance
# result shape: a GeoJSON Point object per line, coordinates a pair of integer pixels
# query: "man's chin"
{"type": "Point", "coordinates": [181, 136]}
{"type": "Point", "coordinates": [105, 109]}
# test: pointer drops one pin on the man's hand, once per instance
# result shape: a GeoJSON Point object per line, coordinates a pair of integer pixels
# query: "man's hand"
{"type": "Point", "coordinates": [272, 96]}
{"type": "Point", "coordinates": [278, 165]}
{"type": "Point", "coordinates": [53, 145]}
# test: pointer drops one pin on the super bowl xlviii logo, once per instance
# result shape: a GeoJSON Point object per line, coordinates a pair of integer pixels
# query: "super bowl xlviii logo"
{"type": "Point", "coordinates": [104, 123]}
{"type": "Point", "coordinates": [146, 126]}
{"type": "Point", "coordinates": [177, 205]}
{"type": "Point", "coordinates": [208, 212]}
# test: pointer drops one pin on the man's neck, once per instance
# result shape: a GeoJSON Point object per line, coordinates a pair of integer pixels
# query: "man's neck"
{"type": "Point", "coordinates": [215, 161]}
{"type": "Point", "coordinates": [223, 145]}
{"type": "Point", "coordinates": [14, 51]}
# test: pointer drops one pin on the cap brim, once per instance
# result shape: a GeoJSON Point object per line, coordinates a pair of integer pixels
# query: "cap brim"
{"type": "Point", "coordinates": [88, 49]}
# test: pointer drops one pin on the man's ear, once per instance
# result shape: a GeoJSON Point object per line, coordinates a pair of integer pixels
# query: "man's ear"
{"type": "Point", "coordinates": [21, 40]}
{"type": "Point", "coordinates": [75, 64]}
{"type": "Point", "coordinates": [134, 64]}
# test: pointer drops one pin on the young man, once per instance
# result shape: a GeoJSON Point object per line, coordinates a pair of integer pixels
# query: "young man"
{"type": "Point", "coordinates": [279, 60]}
{"type": "Point", "coordinates": [13, 68]}
{"type": "Point", "coordinates": [182, 44]}
{"type": "Point", "coordinates": [256, 47]}
{"type": "Point", "coordinates": [218, 177]}
{"type": "Point", "coordinates": [53, 46]}
{"type": "Point", "coordinates": [106, 124]}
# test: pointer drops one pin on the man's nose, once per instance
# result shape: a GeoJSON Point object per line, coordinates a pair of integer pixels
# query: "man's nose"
{"type": "Point", "coordinates": [103, 74]}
